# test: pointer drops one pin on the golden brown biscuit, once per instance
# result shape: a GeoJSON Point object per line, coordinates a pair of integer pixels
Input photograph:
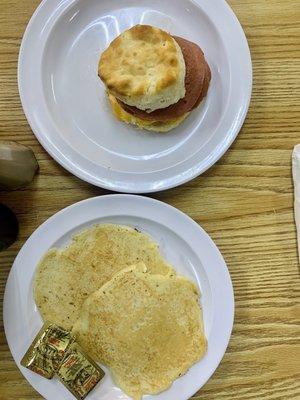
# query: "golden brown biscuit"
{"type": "Point", "coordinates": [144, 67]}
{"type": "Point", "coordinates": [197, 79]}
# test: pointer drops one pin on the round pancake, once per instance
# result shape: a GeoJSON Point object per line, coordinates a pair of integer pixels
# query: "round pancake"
{"type": "Point", "coordinates": [196, 71]}
{"type": "Point", "coordinates": [65, 277]}
{"type": "Point", "coordinates": [144, 67]}
{"type": "Point", "coordinates": [147, 328]}
{"type": "Point", "coordinates": [149, 125]}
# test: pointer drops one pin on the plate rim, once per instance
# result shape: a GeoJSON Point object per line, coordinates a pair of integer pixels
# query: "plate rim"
{"type": "Point", "coordinates": [125, 185]}
{"type": "Point", "coordinates": [54, 219]}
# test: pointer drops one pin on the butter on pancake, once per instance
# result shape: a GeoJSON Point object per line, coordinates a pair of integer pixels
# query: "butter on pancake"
{"type": "Point", "coordinates": [65, 277]}
{"type": "Point", "coordinates": [150, 125]}
{"type": "Point", "coordinates": [147, 328]}
{"type": "Point", "coordinates": [144, 67]}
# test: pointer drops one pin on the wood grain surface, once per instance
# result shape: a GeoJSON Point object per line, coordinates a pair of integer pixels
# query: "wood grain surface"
{"type": "Point", "coordinates": [245, 202]}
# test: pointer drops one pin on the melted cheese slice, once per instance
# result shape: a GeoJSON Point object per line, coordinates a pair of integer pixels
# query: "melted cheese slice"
{"type": "Point", "coordinates": [156, 126]}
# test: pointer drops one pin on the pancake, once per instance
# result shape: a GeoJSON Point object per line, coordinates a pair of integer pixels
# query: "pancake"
{"type": "Point", "coordinates": [65, 277]}
{"type": "Point", "coordinates": [144, 67]}
{"type": "Point", "coordinates": [149, 125]}
{"type": "Point", "coordinates": [196, 84]}
{"type": "Point", "coordinates": [147, 328]}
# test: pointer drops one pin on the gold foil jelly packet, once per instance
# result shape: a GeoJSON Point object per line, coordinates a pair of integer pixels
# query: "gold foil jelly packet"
{"type": "Point", "coordinates": [78, 372]}
{"type": "Point", "coordinates": [47, 350]}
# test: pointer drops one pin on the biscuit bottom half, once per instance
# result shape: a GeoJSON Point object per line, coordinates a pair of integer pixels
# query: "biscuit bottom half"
{"type": "Point", "coordinates": [156, 126]}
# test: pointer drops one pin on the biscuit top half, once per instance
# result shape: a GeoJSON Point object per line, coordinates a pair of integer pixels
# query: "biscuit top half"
{"type": "Point", "coordinates": [144, 67]}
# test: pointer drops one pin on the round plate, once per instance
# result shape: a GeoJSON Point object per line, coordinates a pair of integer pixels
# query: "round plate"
{"type": "Point", "coordinates": [182, 242]}
{"type": "Point", "coordinates": [66, 106]}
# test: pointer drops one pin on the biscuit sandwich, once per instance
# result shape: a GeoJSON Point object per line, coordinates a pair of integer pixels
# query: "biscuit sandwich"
{"type": "Point", "coordinates": [153, 80]}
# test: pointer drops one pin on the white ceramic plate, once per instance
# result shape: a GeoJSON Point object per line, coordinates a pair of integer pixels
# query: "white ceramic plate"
{"type": "Point", "coordinates": [184, 244]}
{"type": "Point", "coordinates": [65, 103]}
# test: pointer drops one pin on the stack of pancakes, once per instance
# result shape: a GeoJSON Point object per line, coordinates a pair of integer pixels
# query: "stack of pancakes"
{"type": "Point", "coordinates": [153, 80]}
{"type": "Point", "coordinates": [126, 305]}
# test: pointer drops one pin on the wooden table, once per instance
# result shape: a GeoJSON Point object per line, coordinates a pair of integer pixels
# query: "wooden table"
{"type": "Point", "coordinates": [245, 202]}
